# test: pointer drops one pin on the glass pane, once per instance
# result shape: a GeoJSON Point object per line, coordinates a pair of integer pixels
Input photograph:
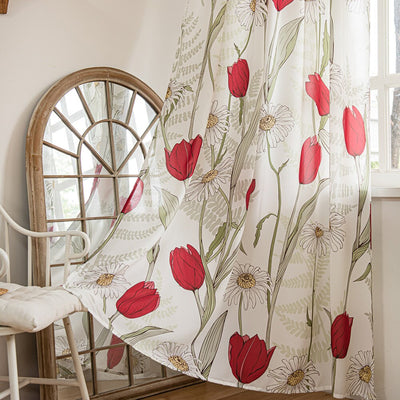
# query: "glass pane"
{"type": "Point", "coordinates": [90, 165]}
{"type": "Point", "coordinates": [99, 197]}
{"type": "Point", "coordinates": [125, 187]}
{"type": "Point", "coordinates": [124, 141]}
{"type": "Point", "coordinates": [58, 134]}
{"type": "Point", "coordinates": [394, 36]}
{"type": "Point", "coordinates": [134, 164]}
{"type": "Point", "coordinates": [95, 96]}
{"type": "Point", "coordinates": [62, 198]}
{"type": "Point", "coordinates": [142, 115]}
{"type": "Point", "coordinates": [112, 378]}
{"type": "Point", "coordinates": [97, 231]}
{"type": "Point", "coordinates": [394, 101]}
{"type": "Point", "coordinates": [149, 137]}
{"type": "Point", "coordinates": [57, 163]}
{"type": "Point", "coordinates": [120, 101]}
{"type": "Point", "coordinates": [374, 37]}
{"type": "Point", "coordinates": [99, 139]}
{"type": "Point", "coordinates": [374, 129]}
{"type": "Point", "coordinates": [152, 371]}
{"type": "Point", "coordinates": [71, 107]}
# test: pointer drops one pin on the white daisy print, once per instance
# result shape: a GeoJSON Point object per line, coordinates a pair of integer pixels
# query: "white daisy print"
{"type": "Point", "coordinates": [177, 357]}
{"type": "Point", "coordinates": [65, 365]}
{"type": "Point", "coordinates": [361, 375]}
{"type": "Point", "coordinates": [106, 280]}
{"type": "Point", "coordinates": [358, 6]}
{"type": "Point", "coordinates": [248, 282]}
{"type": "Point", "coordinates": [315, 238]}
{"type": "Point", "coordinates": [138, 362]}
{"type": "Point", "coordinates": [251, 12]}
{"type": "Point", "coordinates": [312, 10]}
{"type": "Point", "coordinates": [217, 123]}
{"type": "Point", "coordinates": [337, 234]}
{"type": "Point", "coordinates": [207, 184]}
{"type": "Point", "coordinates": [294, 376]}
{"type": "Point", "coordinates": [336, 80]}
{"type": "Point", "coordinates": [175, 91]}
{"type": "Point", "coordinates": [276, 121]}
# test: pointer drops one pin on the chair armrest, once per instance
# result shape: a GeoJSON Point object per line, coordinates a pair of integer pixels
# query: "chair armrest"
{"type": "Point", "coordinates": [4, 264]}
{"type": "Point", "coordinates": [68, 253]}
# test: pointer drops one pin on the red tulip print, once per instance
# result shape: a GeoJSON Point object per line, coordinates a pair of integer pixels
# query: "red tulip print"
{"type": "Point", "coordinates": [248, 357]}
{"type": "Point", "coordinates": [134, 198]}
{"type": "Point", "coordinates": [249, 192]}
{"type": "Point", "coordinates": [139, 300]}
{"type": "Point", "coordinates": [114, 354]}
{"type": "Point", "coordinates": [238, 78]}
{"type": "Point", "coordinates": [340, 335]}
{"type": "Point", "coordinates": [281, 4]}
{"type": "Point", "coordinates": [182, 159]}
{"type": "Point", "coordinates": [318, 91]}
{"type": "Point", "coordinates": [310, 160]}
{"type": "Point", "coordinates": [187, 267]}
{"type": "Point", "coordinates": [354, 131]}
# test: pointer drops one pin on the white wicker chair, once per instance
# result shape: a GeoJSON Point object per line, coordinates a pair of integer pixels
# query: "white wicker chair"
{"type": "Point", "coordinates": [31, 308]}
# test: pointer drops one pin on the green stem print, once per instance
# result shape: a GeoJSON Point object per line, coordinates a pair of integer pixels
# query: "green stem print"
{"type": "Point", "coordinates": [240, 315]}
{"type": "Point", "coordinates": [358, 248]}
{"type": "Point", "coordinates": [289, 246]}
{"type": "Point", "coordinates": [310, 321]}
{"type": "Point", "coordinates": [277, 219]}
{"type": "Point", "coordinates": [213, 29]}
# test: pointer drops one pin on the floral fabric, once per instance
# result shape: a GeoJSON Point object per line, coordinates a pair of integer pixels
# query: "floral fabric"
{"type": "Point", "coordinates": [242, 255]}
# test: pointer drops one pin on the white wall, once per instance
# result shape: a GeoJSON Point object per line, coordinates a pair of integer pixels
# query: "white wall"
{"type": "Point", "coordinates": [40, 42]}
{"type": "Point", "coordinates": [43, 40]}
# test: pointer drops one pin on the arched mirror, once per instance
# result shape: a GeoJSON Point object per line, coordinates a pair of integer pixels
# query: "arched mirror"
{"type": "Point", "coordinates": [86, 143]}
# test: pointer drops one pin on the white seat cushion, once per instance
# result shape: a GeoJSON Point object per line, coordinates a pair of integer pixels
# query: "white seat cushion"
{"type": "Point", "coordinates": [32, 308]}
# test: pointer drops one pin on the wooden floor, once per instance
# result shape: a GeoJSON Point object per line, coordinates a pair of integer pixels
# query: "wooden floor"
{"type": "Point", "coordinates": [211, 391]}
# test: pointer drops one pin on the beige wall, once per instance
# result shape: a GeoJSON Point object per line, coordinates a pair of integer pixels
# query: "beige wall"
{"type": "Point", "coordinates": [43, 40]}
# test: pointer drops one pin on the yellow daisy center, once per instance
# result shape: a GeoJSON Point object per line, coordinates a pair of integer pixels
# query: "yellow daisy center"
{"type": "Point", "coordinates": [3, 291]}
{"type": "Point", "coordinates": [105, 279]}
{"type": "Point", "coordinates": [168, 94]}
{"type": "Point", "coordinates": [253, 5]}
{"type": "Point", "coordinates": [267, 122]}
{"type": "Point", "coordinates": [209, 176]}
{"type": "Point", "coordinates": [246, 281]}
{"type": "Point", "coordinates": [179, 363]}
{"type": "Point", "coordinates": [319, 232]}
{"type": "Point", "coordinates": [212, 121]}
{"type": "Point", "coordinates": [296, 377]}
{"type": "Point", "coordinates": [365, 374]}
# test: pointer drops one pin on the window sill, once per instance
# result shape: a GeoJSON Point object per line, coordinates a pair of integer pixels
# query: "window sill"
{"type": "Point", "coordinates": [385, 184]}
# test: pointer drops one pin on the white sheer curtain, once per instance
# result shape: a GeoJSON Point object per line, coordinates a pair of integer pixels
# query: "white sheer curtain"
{"type": "Point", "coordinates": [242, 254]}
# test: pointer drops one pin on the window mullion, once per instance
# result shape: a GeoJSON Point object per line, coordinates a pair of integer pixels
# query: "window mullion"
{"type": "Point", "coordinates": [383, 103]}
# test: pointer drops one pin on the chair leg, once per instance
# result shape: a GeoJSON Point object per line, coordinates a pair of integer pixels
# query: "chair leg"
{"type": "Point", "coordinates": [75, 358]}
{"type": "Point", "coordinates": [12, 367]}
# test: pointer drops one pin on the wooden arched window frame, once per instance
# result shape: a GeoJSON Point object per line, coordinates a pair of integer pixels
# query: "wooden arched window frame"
{"type": "Point", "coordinates": [90, 158]}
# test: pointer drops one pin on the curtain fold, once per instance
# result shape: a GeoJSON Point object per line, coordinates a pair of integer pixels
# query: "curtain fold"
{"type": "Point", "coordinates": [242, 255]}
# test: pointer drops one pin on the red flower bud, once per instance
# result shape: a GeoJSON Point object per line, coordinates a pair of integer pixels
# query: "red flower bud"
{"type": "Point", "coordinates": [182, 159]}
{"type": "Point", "coordinates": [354, 131]}
{"type": "Point", "coordinates": [248, 357]}
{"type": "Point", "coordinates": [114, 354]}
{"type": "Point", "coordinates": [139, 300]}
{"type": "Point", "coordinates": [318, 91]}
{"type": "Point", "coordinates": [187, 267]}
{"type": "Point", "coordinates": [249, 192]}
{"type": "Point", "coordinates": [340, 335]}
{"type": "Point", "coordinates": [238, 78]}
{"type": "Point", "coordinates": [134, 198]}
{"type": "Point", "coordinates": [280, 4]}
{"type": "Point", "coordinates": [310, 160]}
